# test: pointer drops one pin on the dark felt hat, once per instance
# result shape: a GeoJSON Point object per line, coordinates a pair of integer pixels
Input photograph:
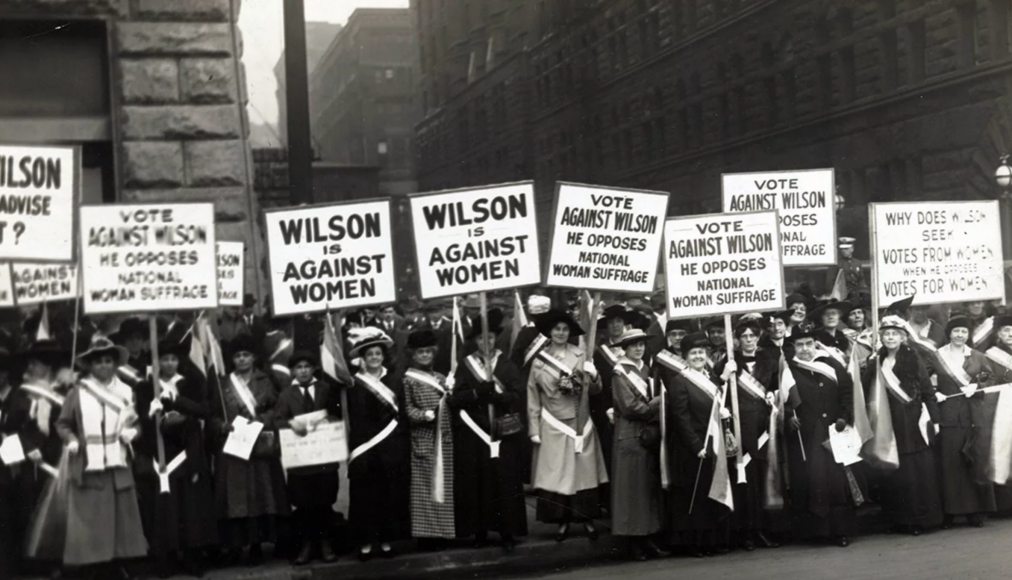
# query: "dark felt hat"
{"type": "Point", "coordinates": [841, 306]}
{"type": "Point", "coordinates": [302, 355]}
{"type": "Point", "coordinates": [1001, 320]}
{"type": "Point", "coordinates": [958, 321]}
{"type": "Point", "coordinates": [547, 321]}
{"type": "Point", "coordinates": [686, 324]}
{"type": "Point", "coordinates": [130, 327]}
{"type": "Point", "coordinates": [48, 351]}
{"type": "Point", "coordinates": [495, 320]}
{"type": "Point", "coordinates": [694, 340]}
{"type": "Point", "coordinates": [424, 338]}
{"type": "Point", "coordinates": [243, 342]}
{"type": "Point", "coordinates": [806, 330]}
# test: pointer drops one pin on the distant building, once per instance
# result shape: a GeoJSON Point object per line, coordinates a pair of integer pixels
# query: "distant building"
{"type": "Point", "coordinates": [361, 101]}
{"type": "Point", "coordinates": [319, 35]}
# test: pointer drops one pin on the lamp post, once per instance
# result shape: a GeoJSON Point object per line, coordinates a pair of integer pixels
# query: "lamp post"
{"type": "Point", "coordinates": [1003, 178]}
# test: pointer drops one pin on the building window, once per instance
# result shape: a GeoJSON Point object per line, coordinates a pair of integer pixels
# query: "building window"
{"type": "Point", "coordinates": [998, 23]}
{"type": "Point", "coordinates": [890, 59]}
{"type": "Point", "coordinates": [967, 40]}
{"type": "Point", "coordinates": [848, 76]}
{"type": "Point", "coordinates": [915, 51]}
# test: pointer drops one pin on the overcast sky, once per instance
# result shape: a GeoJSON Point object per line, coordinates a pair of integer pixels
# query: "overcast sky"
{"type": "Point", "coordinates": [263, 39]}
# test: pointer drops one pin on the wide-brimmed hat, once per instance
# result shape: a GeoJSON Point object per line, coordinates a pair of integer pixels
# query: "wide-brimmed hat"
{"type": "Point", "coordinates": [101, 345]}
{"type": "Point", "coordinates": [132, 326]}
{"type": "Point", "coordinates": [619, 311]}
{"type": "Point", "coordinates": [694, 340]}
{"type": "Point", "coordinates": [784, 315]}
{"type": "Point", "coordinates": [362, 339]}
{"type": "Point", "coordinates": [631, 337]}
{"type": "Point", "coordinates": [841, 306]}
{"type": "Point", "coordinates": [495, 319]}
{"type": "Point", "coordinates": [547, 321]}
{"type": "Point", "coordinates": [424, 338]}
{"type": "Point", "coordinates": [300, 356]}
{"type": "Point", "coordinates": [686, 324]}
{"type": "Point", "coordinates": [805, 330]}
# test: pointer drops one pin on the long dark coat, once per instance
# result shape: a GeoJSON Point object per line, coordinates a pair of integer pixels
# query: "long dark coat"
{"type": "Point", "coordinates": [820, 495]}
{"type": "Point", "coordinates": [488, 494]}
{"type": "Point", "coordinates": [965, 442]}
{"type": "Point", "coordinates": [183, 518]}
{"type": "Point", "coordinates": [312, 487]}
{"type": "Point", "coordinates": [636, 502]}
{"type": "Point", "coordinates": [379, 479]}
{"type": "Point", "coordinates": [911, 493]}
{"type": "Point", "coordinates": [15, 499]}
{"type": "Point", "coordinates": [1001, 376]}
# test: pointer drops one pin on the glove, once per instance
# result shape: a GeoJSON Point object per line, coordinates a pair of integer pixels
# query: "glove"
{"type": "Point", "coordinates": [611, 415]}
{"type": "Point", "coordinates": [430, 415]}
{"type": "Point", "coordinates": [35, 456]}
{"type": "Point", "coordinates": [300, 429]}
{"type": "Point", "coordinates": [702, 453]}
{"type": "Point", "coordinates": [535, 439]}
{"type": "Point", "coordinates": [940, 397]}
{"type": "Point", "coordinates": [127, 435]}
{"type": "Point", "coordinates": [794, 422]}
{"type": "Point", "coordinates": [969, 390]}
{"type": "Point", "coordinates": [724, 413]}
{"type": "Point", "coordinates": [771, 399]}
{"type": "Point", "coordinates": [590, 369]}
{"type": "Point", "coordinates": [156, 407]}
{"type": "Point", "coordinates": [840, 425]}
{"type": "Point", "coordinates": [73, 447]}
{"type": "Point", "coordinates": [729, 369]}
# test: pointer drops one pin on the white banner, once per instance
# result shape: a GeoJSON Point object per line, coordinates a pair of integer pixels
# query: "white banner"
{"type": "Point", "coordinates": [325, 444]}
{"type": "Point", "coordinates": [723, 264]}
{"type": "Point", "coordinates": [606, 239]}
{"type": "Point", "coordinates": [330, 256]}
{"type": "Point", "coordinates": [476, 240]}
{"type": "Point", "coordinates": [6, 286]}
{"type": "Point", "coordinates": [940, 251]}
{"type": "Point", "coordinates": [38, 188]}
{"type": "Point", "coordinates": [37, 283]}
{"type": "Point", "coordinates": [230, 273]}
{"type": "Point", "coordinates": [806, 202]}
{"type": "Point", "coordinates": [142, 258]}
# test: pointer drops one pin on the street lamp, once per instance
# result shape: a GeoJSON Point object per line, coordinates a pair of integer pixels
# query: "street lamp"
{"type": "Point", "coordinates": [1003, 175]}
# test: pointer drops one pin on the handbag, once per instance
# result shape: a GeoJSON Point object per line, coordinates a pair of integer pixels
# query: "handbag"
{"type": "Point", "coordinates": [508, 424]}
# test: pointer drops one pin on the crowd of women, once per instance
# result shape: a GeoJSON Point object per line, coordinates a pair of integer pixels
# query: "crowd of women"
{"type": "Point", "coordinates": [454, 422]}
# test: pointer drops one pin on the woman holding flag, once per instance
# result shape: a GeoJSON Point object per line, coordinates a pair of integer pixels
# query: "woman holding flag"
{"type": "Point", "coordinates": [425, 392]}
{"type": "Point", "coordinates": [911, 498]}
{"type": "Point", "coordinates": [1000, 356]}
{"type": "Point", "coordinates": [965, 413]}
{"type": "Point", "coordinates": [378, 462]}
{"type": "Point", "coordinates": [568, 462]}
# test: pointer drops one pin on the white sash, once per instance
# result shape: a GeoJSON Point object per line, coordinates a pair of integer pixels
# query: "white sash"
{"type": "Point", "coordinates": [817, 367]}
{"type": "Point", "coordinates": [701, 381]}
{"type": "Point", "coordinates": [833, 352]}
{"type": "Point", "coordinates": [534, 348]}
{"type": "Point", "coordinates": [373, 442]}
{"type": "Point", "coordinates": [424, 378]}
{"type": "Point", "coordinates": [170, 467]}
{"type": "Point", "coordinates": [104, 395]}
{"type": "Point", "coordinates": [560, 367]}
{"type": "Point", "coordinates": [244, 394]}
{"type": "Point", "coordinates": [279, 368]}
{"type": "Point", "coordinates": [43, 393]}
{"type": "Point", "coordinates": [958, 373]}
{"type": "Point", "coordinates": [566, 430]}
{"type": "Point", "coordinates": [479, 371]}
{"type": "Point", "coordinates": [994, 353]}
{"type": "Point", "coordinates": [377, 388]}
{"type": "Point", "coordinates": [101, 429]}
{"type": "Point", "coordinates": [635, 380]}
{"type": "Point", "coordinates": [438, 475]}
{"type": "Point", "coordinates": [128, 373]}
{"type": "Point", "coordinates": [493, 446]}
{"type": "Point", "coordinates": [750, 385]}
{"type": "Point", "coordinates": [671, 361]}
{"type": "Point", "coordinates": [608, 355]}
{"type": "Point", "coordinates": [892, 382]}
{"type": "Point", "coordinates": [983, 330]}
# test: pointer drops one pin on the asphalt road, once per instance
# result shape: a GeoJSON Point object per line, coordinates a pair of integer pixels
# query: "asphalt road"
{"type": "Point", "coordinates": [961, 552]}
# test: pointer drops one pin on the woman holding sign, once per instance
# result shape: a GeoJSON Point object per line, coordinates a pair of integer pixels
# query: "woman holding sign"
{"type": "Point", "coordinates": [378, 463]}
{"type": "Point", "coordinates": [568, 462]}
{"type": "Point", "coordinates": [249, 490]}
{"type": "Point", "coordinates": [911, 496]}
{"type": "Point", "coordinates": [965, 414]}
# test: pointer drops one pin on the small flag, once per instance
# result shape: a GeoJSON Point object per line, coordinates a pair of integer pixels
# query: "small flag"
{"type": "Point", "coordinates": [881, 448]}
{"type": "Point", "coordinates": [519, 317]}
{"type": "Point", "coordinates": [332, 353]}
{"type": "Point", "coordinates": [43, 332]}
{"type": "Point", "coordinates": [861, 422]}
{"type": "Point", "coordinates": [720, 486]}
{"type": "Point", "coordinates": [839, 291]}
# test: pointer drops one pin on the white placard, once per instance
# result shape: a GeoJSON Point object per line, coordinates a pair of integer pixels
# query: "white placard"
{"type": "Point", "coordinates": [940, 251]}
{"type": "Point", "coordinates": [476, 240]}
{"type": "Point", "coordinates": [606, 239]}
{"type": "Point", "coordinates": [806, 202]}
{"type": "Point", "coordinates": [242, 437]}
{"type": "Point", "coordinates": [230, 273]}
{"type": "Point", "coordinates": [330, 256]}
{"type": "Point", "coordinates": [6, 286]}
{"type": "Point", "coordinates": [143, 258]}
{"type": "Point", "coordinates": [324, 444]}
{"type": "Point", "coordinates": [11, 451]}
{"type": "Point", "coordinates": [723, 264]}
{"type": "Point", "coordinates": [38, 187]}
{"type": "Point", "coordinates": [44, 282]}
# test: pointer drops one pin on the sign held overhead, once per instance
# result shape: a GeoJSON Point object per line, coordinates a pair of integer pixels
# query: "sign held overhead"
{"type": "Point", "coordinates": [37, 283]}
{"type": "Point", "coordinates": [230, 273]}
{"type": "Point", "coordinates": [38, 188]}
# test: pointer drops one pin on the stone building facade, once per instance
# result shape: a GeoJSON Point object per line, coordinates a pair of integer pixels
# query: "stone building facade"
{"type": "Point", "coordinates": [905, 98]}
{"type": "Point", "coordinates": [168, 121]}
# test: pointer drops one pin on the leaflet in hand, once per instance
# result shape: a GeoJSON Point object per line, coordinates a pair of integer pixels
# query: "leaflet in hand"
{"type": "Point", "coordinates": [845, 445]}
{"type": "Point", "coordinates": [11, 451]}
{"type": "Point", "coordinates": [242, 438]}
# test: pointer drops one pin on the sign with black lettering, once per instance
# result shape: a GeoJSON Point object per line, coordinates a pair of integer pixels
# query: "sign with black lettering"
{"type": "Point", "coordinates": [939, 251]}
{"type": "Point", "coordinates": [37, 283]}
{"type": "Point", "coordinates": [148, 257]}
{"type": "Point", "coordinates": [38, 187]}
{"type": "Point", "coordinates": [6, 286]}
{"type": "Point", "coordinates": [330, 256]}
{"type": "Point", "coordinates": [806, 201]}
{"type": "Point", "coordinates": [606, 239]}
{"type": "Point", "coordinates": [723, 264]}
{"type": "Point", "coordinates": [230, 273]}
{"type": "Point", "coordinates": [476, 240]}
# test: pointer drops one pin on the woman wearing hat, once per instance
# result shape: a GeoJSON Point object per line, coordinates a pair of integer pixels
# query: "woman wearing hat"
{"type": "Point", "coordinates": [432, 484]}
{"type": "Point", "coordinates": [614, 322]}
{"type": "Point", "coordinates": [311, 490]}
{"type": "Point", "coordinates": [636, 482]}
{"type": "Point", "coordinates": [828, 320]}
{"type": "Point", "coordinates": [487, 440]}
{"type": "Point", "coordinates": [690, 412]}
{"type": "Point", "coordinates": [249, 493]}
{"type": "Point", "coordinates": [16, 483]}
{"type": "Point", "coordinates": [965, 428]}
{"type": "Point", "coordinates": [568, 463]}
{"type": "Point", "coordinates": [180, 522]}
{"type": "Point", "coordinates": [911, 497]}
{"type": "Point", "coordinates": [1000, 356]}
{"type": "Point", "coordinates": [378, 464]}
{"type": "Point", "coordinates": [97, 423]}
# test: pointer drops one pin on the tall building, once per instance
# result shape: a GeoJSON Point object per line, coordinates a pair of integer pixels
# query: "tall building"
{"type": "Point", "coordinates": [905, 98]}
{"type": "Point", "coordinates": [361, 97]}
{"type": "Point", "coordinates": [149, 91]}
{"type": "Point", "coordinates": [319, 35]}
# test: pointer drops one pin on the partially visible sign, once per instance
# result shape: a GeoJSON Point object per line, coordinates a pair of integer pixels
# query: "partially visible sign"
{"type": "Point", "coordinates": [330, 256]}
{"type": "Point", "coordinates": [723, 264]}
{"type": "Point", "coordinates": [230, 273]}
{"type": "Point", "coordinates": [150, 257]}
{"type": "Point", "coordinates": [325, 444]}
{"type": "Point", "coordinates": [606, 239]}
{"type": "Point", "coordinates": [37, 283]}
{"type": "Point", "coordinates": [806, 202]}
{"type": "Point", "coordinates": [476, 240]}
{"type": "Point", "coordinates": [38, 187]}
{"type": "Point", "coordinates": [948, 251]}
{"type": "Point", "coordinates": [6, 286]}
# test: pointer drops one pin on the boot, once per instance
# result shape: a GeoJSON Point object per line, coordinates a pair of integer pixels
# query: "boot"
{"type": "Point", "coordinates": [305, 554]}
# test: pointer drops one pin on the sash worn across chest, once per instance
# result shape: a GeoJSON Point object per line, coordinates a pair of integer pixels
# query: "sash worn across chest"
{"type": "Point", "coordinates": [671, 361]}
{"type": "Point", "coordinates": [701, 382]}
{"type": "Point", "coordinates": [609, 356]}
{"type": "Point", "coordinates": [426, 379]}
{"type": "Point", "coordinates": [817, 367]}
{"type": "Point", "coordinates": [539, 342]}
{"type": "Point", "coordinates": [1000, 356]}
{"type": "Point", "coordinates": [750, 385]}
{"type": "Point", "coordinates": [892, 382]}
{"type": "Point", "coordinates": [38, 392]}
{"type": "Point", "coordinates": [983, 330]}
{"type": "Point", "coordinates": [379, 390]}
{"type": "Point", "coordinates": [637, 381]}
{"type": "Point", "coordinates": [478, 370]}
{"type": "Point", "coordinates": [560, 368]}
{"type": "Point", "coordinates": [245, 396]}
{"type": "Point", "coordinates": [956, 373]}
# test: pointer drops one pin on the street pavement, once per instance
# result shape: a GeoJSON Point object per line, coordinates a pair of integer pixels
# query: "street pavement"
{"type": "Point", "coordinates": [961, 552]}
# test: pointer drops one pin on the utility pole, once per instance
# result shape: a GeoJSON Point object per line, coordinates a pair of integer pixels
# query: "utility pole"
{"type": "Point", "coordinates": [300, 153]}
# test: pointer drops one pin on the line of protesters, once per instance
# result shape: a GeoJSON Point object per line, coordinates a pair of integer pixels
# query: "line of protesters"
{"type": "Point", "coordinates": [444, 436]}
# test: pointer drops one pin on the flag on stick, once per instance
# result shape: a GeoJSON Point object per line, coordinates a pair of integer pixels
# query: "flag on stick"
{"type": "Point", "coordinates": [332, 353]}
{"type": "Point", "coordinates": [43, 332]}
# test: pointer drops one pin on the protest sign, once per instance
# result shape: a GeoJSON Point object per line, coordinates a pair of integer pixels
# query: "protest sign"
{"type": "Point", "coordinates": [723, 264]}
{"type": "Point", "coordinates": [948, 251]}
{"type": "Point", "coordinates": [230, 273]}
{"type": "Point", "coordinates": [606, 239]}
{"type": "Point", "coordinates": [37, 283]}
{"type": "Point", "coordinates": [806, 202]}
{"type": "Point", "coordinates": [330, 256]}
{"type": "Point", "coordinates": [324, 444]}
{"type": "Point", "coordinates": [476, 240]}
{"type": "Point", "coordinates": [6, 286]}
{"type": "Point", "coordinates": [148, 257]}
{"type": "Point", "coordinates": [38, 187]}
